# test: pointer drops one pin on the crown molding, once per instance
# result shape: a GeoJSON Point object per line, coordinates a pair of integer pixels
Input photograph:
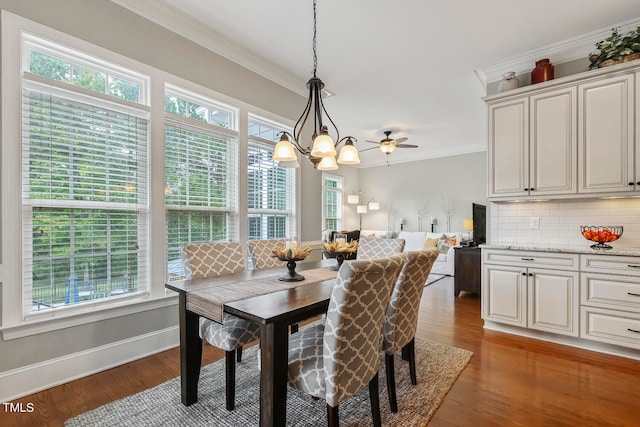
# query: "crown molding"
{"type": "Point", "coordinates": [172, 19]}
{"type": "Point", "coordinates": [560, 52]}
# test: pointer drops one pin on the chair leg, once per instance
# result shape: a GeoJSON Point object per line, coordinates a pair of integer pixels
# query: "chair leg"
{"type": "Point", "coordinates": [230, 379]}
{"type": "Point", "coordinates": [332, 416]}
{"type": "Point", "coordinates": [239, 354]}
{"type": "Point", "coordinates": [391, 382]}
{"type": "Point", "coordinates": [405, 352]}
{"type": "Point", "coordinates": [412, 361]}
{"type": "Point", "coordinates": [375, 401]}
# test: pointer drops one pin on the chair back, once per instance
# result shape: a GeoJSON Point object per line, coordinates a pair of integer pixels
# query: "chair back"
{"type": "Point", "coordinates": [260, 253]}
{"type": "Point", "coordinates": [208, 259]}
{"type": "Point", "coordinates": [374, 248]}
{"type": "Point", "coordinates": [402, 314]}
{"type": "Point", "coordinates": [353, 328]}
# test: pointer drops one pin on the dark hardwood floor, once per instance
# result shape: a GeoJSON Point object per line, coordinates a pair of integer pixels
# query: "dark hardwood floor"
{"type": "Point", "coordinates": [510, 381]}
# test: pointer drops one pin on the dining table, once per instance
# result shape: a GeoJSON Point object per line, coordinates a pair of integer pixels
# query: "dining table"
{"type": "Point", "coordinates": [257, 296]}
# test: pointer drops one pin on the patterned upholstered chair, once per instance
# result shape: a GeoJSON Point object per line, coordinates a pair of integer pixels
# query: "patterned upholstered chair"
{"type": "Point", "coordinates": [335, 360]}
{"type": "Point", "coordinates": [402, 315]}
{"type": "Point", "coordinates": [373, 248]}
{"type": "Point", "coordinates": [203, 260]}
{"type": "Point", "coordinates": [260, 253]}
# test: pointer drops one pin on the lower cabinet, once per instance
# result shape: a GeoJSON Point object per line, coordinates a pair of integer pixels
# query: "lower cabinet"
{"type": "Point", "coordinates": [534, 298]}
{"type": "Point", "coordinates": [593, 297]}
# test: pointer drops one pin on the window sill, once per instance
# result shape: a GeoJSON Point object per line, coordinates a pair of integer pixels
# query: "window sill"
{"type": "Point", "coordinates": [54, 320]}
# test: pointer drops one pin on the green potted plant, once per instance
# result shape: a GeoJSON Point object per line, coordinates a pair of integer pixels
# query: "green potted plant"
{"type": "Point", "coordinates": [616, 48]}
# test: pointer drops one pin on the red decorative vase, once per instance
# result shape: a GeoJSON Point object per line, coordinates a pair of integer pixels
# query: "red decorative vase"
{"type": "Point", "coordinates": [543, 71]}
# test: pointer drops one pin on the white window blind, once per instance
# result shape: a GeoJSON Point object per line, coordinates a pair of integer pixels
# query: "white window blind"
{"type": "Point", "coordinates": [84, 195]}
{"type": "Point", "coordinates": [331, 202]}
{"type": "Point", "coordinates": [201, 172]}
{"type": "Point", "coordinates": [271, 189]}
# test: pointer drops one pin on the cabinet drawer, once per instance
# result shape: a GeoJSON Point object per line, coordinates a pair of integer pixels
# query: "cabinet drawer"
{"type": "Point", "coordinates": [609, 326]}
{"type": "Point", "coordinates": [553, 260]}
{"type": "Point", "coordinates": [610, 291]}
{"type": "Point", "coordinates": [611, 264]}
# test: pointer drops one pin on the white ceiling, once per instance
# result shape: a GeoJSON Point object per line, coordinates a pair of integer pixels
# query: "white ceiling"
{"type": "Point", "coordinates": [412, 66]}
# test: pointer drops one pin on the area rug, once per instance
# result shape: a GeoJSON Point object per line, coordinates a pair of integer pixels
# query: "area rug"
{"type": "Point", "coordinates": [438, 367]}
{"type": "Point", "coordinates": [434, 278]}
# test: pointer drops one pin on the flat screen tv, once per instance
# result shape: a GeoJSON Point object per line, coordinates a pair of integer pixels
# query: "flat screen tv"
{"type": "Point", "coordinates": [479, 223]}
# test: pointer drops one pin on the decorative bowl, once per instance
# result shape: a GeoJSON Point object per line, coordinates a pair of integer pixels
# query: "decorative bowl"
{"type": "Point", "coordinates": [601, 235]}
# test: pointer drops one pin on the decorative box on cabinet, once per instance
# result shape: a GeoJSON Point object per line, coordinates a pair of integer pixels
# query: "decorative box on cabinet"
{"type": "Point", "coordinates": [520, 290]}
{"type": "Point", "coordinates": [468, 270]}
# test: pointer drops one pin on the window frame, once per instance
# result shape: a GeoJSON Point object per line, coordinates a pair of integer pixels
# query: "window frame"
{"type": "Point", "coordinates": [340, 201]}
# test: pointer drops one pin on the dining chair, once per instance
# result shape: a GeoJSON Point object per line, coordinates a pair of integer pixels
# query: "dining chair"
{"type": "Point", "coordinates": [402, 315]}
{"type": "Point", "coordinates": [204, 260]}
{"type": "Point", "coordinates": [334, 360]}
{"type": "Point", "coordinates": [260, 253]}
{"type": "Point", "coordinates": [374, 247]}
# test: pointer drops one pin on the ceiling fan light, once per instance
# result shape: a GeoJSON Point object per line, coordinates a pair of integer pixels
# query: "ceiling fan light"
{"type": "Point", "coordinates": [328, 164]}
{"type": "Point", "coordinates": [387, 147]}
{"type": "Point", "coordinates": [284, 151]}
{"type": "Point", "coordinates": [349, 155]}
{"type": "Point", "coordinates": [323, 145]}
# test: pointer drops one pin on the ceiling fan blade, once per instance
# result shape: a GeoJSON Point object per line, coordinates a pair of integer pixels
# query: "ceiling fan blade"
{"type": "Point", "coordinates": [367, 149]}
{"type": "Point", "coordinates": [399, 140]}
{"type": "Point", "coordinates": [406, 146]}
{"type": "Point", "coordinates": [373, 142]}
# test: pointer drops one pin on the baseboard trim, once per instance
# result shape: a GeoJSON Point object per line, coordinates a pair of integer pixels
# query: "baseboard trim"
{"type": "Point", "coordinates": [40, 376]}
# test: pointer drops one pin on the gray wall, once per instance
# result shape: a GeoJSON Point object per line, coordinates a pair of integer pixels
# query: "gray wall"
{"type": "Point", "coordinates": [400, 189]}
{"type": "Point", "coordinates": [108, 25]}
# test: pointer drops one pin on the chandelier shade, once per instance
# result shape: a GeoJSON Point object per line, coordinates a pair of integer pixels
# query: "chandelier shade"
{"type": "Point", "coordinates": [315, 114]}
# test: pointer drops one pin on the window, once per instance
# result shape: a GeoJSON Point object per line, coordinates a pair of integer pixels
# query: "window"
{"type": "Point", "coordinates": [271, 189]}
{"type": "Point", "coordinates": [84, 178]}
{"type": "Point", "coordinates": [331, 202]}
{"type": "Point", "coordinates": [201, 158]}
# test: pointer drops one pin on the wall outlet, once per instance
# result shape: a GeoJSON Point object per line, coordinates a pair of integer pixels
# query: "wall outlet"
{"type": "Point", "coordinates": [534, 222]}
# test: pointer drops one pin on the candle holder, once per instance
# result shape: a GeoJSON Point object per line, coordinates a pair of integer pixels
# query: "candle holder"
{"type": "Point", "coordinates": [339, 256]}
{"type": "Point", "coordinates": [291, 275]}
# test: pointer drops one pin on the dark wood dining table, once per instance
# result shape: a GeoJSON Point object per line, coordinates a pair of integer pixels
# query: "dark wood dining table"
{"type": "Point", "coordinates": [274, 312]}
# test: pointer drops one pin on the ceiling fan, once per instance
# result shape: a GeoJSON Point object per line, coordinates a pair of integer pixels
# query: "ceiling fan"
{"type": "Point", "coordinates": [388, 144]}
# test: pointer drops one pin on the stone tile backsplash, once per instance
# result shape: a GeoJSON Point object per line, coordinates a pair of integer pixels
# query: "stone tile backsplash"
{"type": "Point", "coordinates": [560, 221]}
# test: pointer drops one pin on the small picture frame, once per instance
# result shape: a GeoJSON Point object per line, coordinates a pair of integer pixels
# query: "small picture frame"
{"type": "Point", "coordinates": [337, 236]}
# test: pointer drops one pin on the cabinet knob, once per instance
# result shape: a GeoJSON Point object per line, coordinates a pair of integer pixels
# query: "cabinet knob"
{"type": "Point", "coordinates": [524, 274]}
{"type": "Point", "coordinates": [526, 189]}
{"type": "Point", "coordinates": [631, 183]}
{"type": "Point", "coordinates": [532, 189]}
{"type": "Point", "coordinates": [530, 274]}
{"type": "Point", "coordinates": [638, 183]}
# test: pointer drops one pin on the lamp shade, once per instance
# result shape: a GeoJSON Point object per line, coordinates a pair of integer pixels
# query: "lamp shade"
{"type": "Point", "coordinates": [349, 155]}
{"type": "Point", "coordinates": [361, 209]}
{"type": "Point", "coordinates": [328, 164]}
{"type": "Point", "coordinates": [374, 206]}
{"type": "Point", "coordinates": [353, 199]}
{"type": "Point", "coordinates": [323, 146]}
{"type": "Point", "coordinates": [467, 224]}
{"type": "Point", "coordinates": [284, 151]}
{"type": "Point", "coordinates": [289, 164]}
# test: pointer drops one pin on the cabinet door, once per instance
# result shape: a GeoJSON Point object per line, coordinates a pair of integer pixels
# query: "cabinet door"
{"type": "Point", "coordinates": [553, 301]}
{"type": "Point", "coordinates": [605, 135]}
{"type": "Point", "coordinates": [508, 148]}
{"type": "Point", "coordinates": [504, 295]}
{"type": "Point", "coordinates": [553, 144]}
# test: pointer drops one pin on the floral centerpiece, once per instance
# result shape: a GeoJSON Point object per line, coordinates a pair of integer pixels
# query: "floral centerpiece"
{"type": "Point", "coordinates": [291, 253]}
{"type": "Point", "coordinates": [616, 48]}
{"type": "Point", "coordinates": [339, 248]}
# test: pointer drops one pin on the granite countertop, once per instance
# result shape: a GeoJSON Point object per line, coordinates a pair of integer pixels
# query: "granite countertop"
{"type": "Point", "coordinates": [574, 250]}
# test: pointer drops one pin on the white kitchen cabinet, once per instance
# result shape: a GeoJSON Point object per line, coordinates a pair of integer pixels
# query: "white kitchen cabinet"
{"type": "Point", "coordinates": [509, 148]}
{"type": "Point", "coordinates": [517, 292]}
{"type": "Point", "coordinates": [606, 159]}
{"type": "Point", "coordinates": [533, 145]}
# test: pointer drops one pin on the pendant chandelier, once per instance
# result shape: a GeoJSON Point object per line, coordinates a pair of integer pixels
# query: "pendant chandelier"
{"type": "Point", "coordinates": [323, 152]}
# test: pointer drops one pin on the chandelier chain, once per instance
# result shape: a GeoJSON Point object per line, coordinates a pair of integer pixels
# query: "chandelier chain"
{"type": "Point", "coordinates": [315, 54]}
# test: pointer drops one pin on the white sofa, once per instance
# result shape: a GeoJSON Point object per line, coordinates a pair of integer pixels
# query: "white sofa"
{"type": "Point", "coordinates": [415, 240]}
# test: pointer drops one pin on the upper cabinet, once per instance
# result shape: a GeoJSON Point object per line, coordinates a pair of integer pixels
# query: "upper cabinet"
{"type": "Point", "coordinates": [605, 131]}
{"type": "Point", "coordinates": [574, 137]}
{"type": "Point", "coordinates": [532, 145]}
